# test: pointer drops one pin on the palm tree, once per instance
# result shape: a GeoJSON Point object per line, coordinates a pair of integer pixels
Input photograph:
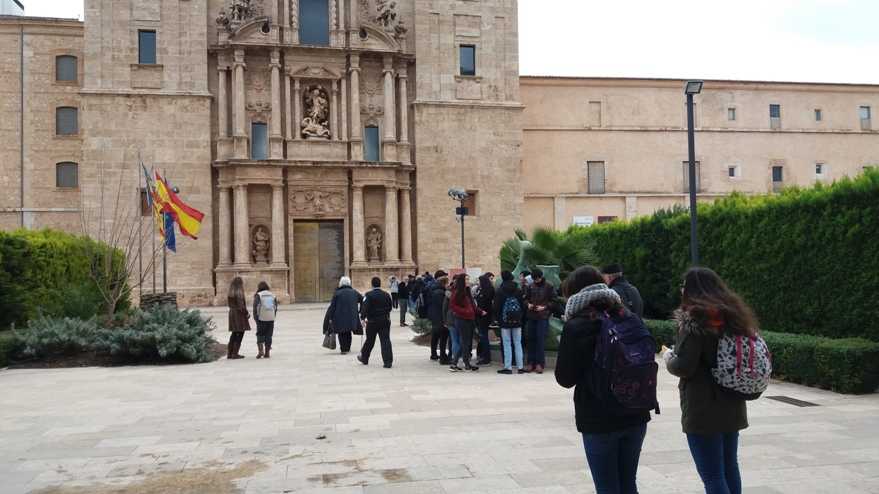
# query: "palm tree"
{"type": "Point", "coordinates": [548, 247]}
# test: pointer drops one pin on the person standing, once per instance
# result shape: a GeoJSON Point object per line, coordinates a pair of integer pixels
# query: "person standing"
{"type": "Point", "coordinates": [265, 308]}
{"type": "Point", "coordinates": [612, 438]}
{"type": "Point", "coordinates": [464, 310]}
{"type": "Point", "coordinates": [631, 297]}
{"type": "Point", "coordinates": [484, 301]}
{"type": "Point", "coordinates": [439, 332]}
{"type": "Point", "coordinates": [239, 318]}
{"type": "Point", "coordinates": [538, 296]}
{"type": "Point", "coordinates": [711, 418]}
{"type": "Point", "coordinates": [394, 288]}
{"type": "Point", "coordinates": [508, 310]}
{"type": "Point", "coordinates": [376, 311]}
{"type": "Point", "coordinates": [342, 317]}
{"type": "Point", "coordinates": [403, 300]}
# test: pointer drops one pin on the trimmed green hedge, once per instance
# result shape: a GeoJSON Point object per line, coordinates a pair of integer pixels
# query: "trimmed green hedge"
{"type": "Point", "coordinates": [807, 260]}
{"type": "Point", "coordinates": [47, 272]}
{"type": "Point", "coordinates": [848, 365]}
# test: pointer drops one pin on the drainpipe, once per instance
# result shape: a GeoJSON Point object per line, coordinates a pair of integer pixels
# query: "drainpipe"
{"type": "Point", "coordinates": [21, 118]}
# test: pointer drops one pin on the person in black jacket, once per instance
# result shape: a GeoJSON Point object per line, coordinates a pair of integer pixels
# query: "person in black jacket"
{"type": "Point", "coordinates": [612, 440]}
{"type": "Point", "coordinates": [376, 311]}
{"type": "Point", "coordinates": [484, 300]}
{"type": "Point", "coordinates": [613, 276]}
{"type": "Point", "coordinates": [439, 333]}
{"type": "Point", "coordinates": [342, 315]}
{"type": "Point", "coordinates": [510, 318]}
{"type": "Point", "coordinates": [403, 301]}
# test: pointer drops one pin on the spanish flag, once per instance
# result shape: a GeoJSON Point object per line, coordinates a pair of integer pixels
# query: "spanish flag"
{"type": "Point", "coordinates": [187, 217]}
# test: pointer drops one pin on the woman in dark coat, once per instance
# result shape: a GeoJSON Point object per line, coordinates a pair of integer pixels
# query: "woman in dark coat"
{"type": "Point", "coordinates": [239, 321]}
{"type": "Point", "coordinates": [343, 315]}
{"type": "Point", "coordinates": [484, 301]}
{"type": "Point", "coordinates": [439, 332]}
{"type": "Point", "coordinates": [711, 418]}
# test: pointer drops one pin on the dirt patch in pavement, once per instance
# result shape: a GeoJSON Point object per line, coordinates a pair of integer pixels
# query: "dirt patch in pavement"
{"type": "Point", "coordinates": [203, 480]}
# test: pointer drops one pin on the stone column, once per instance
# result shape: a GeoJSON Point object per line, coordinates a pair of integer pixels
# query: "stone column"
{"type": "Point", "coordinates": [357, 226]}
{"type": "Point", "coordinates": [225, 226]}
{"type": "Point", "coordinates": [238, 113]}
{"type": "Point", "coordinates": [405, 225]}
{"type": "Point", "coordinates": [275, 137]}
{"type": "Point", "coordinates": [297, 109]}
{"type": "Point", "coordinates": [392, 242]}
{"type": "Point", "coordinates": [222, 114]}
{"type": "Point", "coordinates": [344, 109]}
{"type": "Point", "coordinates": [288, 108]}
{"type": "Point", "coordinates": [356, 130]}
{"type": "Point", "coordinates": [390, 121]}
{"type": "Point", "coordinates": [334, 112]}
{"type": "Point", "coordinates": [404, 105]}
{"type": "Point", "coordinates": [278, 226]}
{"type": "Point", "coordinates": [242, 227]}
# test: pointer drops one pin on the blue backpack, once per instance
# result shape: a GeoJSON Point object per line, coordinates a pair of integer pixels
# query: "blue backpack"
{"type": "Point", "coordinates": [511, 312]}
{"type": "Point", "coordinates": [624, 370]}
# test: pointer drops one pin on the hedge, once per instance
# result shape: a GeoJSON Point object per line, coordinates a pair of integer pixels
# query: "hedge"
{"type": "Point", "coordinates": [47, 272]}
{"type": "Point", "coordinates": [847, 365]}
{"type": "Point", "coordinates": [9, 346]}
{"type": "Point", "coordinates": [806, 260]}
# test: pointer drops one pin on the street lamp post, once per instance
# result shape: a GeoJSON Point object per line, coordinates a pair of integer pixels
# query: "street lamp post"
{"type": "Point", "coordinates": [460, 195]}
{"type": "Point", "coordinates": [691, 88]}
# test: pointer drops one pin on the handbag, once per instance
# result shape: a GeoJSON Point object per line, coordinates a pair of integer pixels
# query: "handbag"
{"type": "Point", "coordinates": [330, 341]}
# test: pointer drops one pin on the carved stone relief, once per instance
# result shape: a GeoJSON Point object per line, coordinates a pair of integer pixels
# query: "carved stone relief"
{"type": "Point", "coordinates": [239, 12]}
{"type": "Point", "coordinates": [374, 241]}
{"type": "Point", "coordinates": [315, 124]}
{"type": "Point", "coordinates": [386, 17]}
{"type": "Point", "coordinates": [318, 203]}
{"type": "Point", "coordinates": [260, 243]}
{"type": "Point", "coordinates": [372, 103]}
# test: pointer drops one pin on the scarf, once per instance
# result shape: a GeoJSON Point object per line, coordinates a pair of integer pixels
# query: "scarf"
{"type": "Point", "coordinates": [581, 300]}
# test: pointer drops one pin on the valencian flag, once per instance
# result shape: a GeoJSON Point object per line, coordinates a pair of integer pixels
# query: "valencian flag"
{"type": "Point", "coordinates": [188, 219]}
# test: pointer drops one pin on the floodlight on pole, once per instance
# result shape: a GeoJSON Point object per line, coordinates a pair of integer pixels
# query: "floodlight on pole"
{"type": "Point", "coordinates": [691, 88]}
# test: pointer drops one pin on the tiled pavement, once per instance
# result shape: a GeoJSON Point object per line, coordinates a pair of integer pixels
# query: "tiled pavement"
{"type": "Point", "coordinates": [252, 426]}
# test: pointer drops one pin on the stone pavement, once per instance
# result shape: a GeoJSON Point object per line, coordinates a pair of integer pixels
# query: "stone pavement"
{"type": "Point", "coordinates": [252, 426]}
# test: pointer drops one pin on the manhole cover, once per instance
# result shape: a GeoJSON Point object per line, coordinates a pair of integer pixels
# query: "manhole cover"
{"type": "Point", "coordinates": [793, 401]}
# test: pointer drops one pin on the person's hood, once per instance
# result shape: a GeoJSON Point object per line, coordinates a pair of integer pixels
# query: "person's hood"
{"type": "Point", "coordinates": [581, 300]}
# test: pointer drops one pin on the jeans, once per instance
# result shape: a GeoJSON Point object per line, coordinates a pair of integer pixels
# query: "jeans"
{"type": "Point", "coordinates": [264, 332]}
{"type": "Point", "coordinates": [456, 342]}
{"type": "Point", "coordinates": [512, 338]}
{"type": "Point", "coordinates": [464, 329]}
{"type": "Point", "coordinates": [483, 349]}
{"type": "Point", "coordinates": [382, 329]}
{"type": "Point", "coordinates": [395, 297]}
{"type": "Point", "coordinates": [404, 307]}
{"type": "Point", "coordinates": [537, 329]}
{"type": "Point", "coordinates": [613, 459]}
{"type": "Point", "coordinates": [716, 458]}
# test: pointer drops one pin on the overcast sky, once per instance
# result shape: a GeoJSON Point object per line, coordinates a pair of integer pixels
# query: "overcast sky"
{"type": "Point", "coordinates": [776, 40]}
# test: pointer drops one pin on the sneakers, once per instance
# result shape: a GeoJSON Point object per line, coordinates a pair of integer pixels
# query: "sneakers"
{"type": "Point", "coordinates": [470, 367]}
{"type": "Point", "coordinates": [387, 366]}
{"type": "Point", "coordinates": [360, 359]}
{"type": "Point", "coordinates": [504, 371]}
{"type": "Point", "coordinates": [455, 368]}
{"type": "Point", "coordinates": [434, 357]}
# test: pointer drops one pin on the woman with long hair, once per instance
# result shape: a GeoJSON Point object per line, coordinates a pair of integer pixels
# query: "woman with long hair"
{"type": "Point", "coordinates": [239, 321]}
{"type": "Point", "coordinates": [612, 439]}
{"type": "Point", "coordinates": [711, 417]}
{"type": "Point", "coordinates": [484, 301]}
{"type": "Point", "coordinates": [463, 307]}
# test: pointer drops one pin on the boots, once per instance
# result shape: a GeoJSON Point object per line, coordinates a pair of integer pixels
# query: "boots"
{"type": "Point", "coordinates": [268, 352]}
{"type": "Point", "coordinates": [230, 350]}
{"type": "Point", "coordinates": [260, 354]}
{"type": "Point", "coordinates": [237, 348]}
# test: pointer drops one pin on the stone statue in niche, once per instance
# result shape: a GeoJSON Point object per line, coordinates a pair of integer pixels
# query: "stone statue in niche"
{"type": "Point", "coordinates": [260, 244]}
{"type": "Point", "coordinates": [387, 17]}
{"type": "Point", "coordinates": [239, 12]}
{"type": "Point", "coordinates": [316, 123]}
{"type": "Point", "coordinates": [373, 243]}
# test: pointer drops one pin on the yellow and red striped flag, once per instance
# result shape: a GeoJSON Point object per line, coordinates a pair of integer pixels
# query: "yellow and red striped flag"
{"type": "Point", "coordinates": [188, 219]}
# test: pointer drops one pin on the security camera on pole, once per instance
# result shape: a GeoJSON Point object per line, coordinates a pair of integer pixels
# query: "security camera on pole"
{"type": "Point", "coordinates": [460, 195]}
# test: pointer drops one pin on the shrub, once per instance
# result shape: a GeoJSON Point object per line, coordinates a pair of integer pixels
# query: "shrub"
{"type": "Point", "coordinates": [9, 346]}
{"type": "Point", "coordinates": [49, 336]}
{"type": "Point", "coordinates": [848, 365]}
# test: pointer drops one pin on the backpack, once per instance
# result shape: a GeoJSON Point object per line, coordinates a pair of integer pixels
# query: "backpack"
{"type": "Point", "coordinates": [511, 312]}
{"type": "Point", "coordinates": [267, 306]}
{"type": "Point", "coordinates": [744, 366]}
{"type": "Point", "coordinates": [624, 370]}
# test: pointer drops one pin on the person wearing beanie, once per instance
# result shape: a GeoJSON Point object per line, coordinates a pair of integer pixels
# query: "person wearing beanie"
{"type": "Point", "coordinates": [631, 297]}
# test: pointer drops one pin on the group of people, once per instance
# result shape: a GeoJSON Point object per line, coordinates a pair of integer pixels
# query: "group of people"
{"type": "Point", "coordinates": [265, 309]}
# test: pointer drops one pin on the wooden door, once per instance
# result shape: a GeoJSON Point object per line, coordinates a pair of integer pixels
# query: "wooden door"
{"type": "Point", "coordinates": [318, 259]}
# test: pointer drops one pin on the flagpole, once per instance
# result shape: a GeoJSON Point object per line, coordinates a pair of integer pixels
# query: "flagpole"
{"type": "Point", "coordinates": [165, 266]}
{"type": "Point", "coordinates": [154, 251]}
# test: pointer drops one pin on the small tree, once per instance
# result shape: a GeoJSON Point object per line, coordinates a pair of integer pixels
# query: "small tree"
{"type": "Point", "coordinates": [123, 267]}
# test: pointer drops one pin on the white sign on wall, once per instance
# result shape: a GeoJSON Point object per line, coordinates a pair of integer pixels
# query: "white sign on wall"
{"type": "Point", "coordinates": [583, 220]}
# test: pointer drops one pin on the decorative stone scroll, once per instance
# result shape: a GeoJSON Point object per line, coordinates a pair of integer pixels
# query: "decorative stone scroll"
{"type": "Point", "coordinates": [317, 203]}
{"type": "Point", "coordinates": [260, 243]}
{"type": "Point", "coordinates": [316, 124]}
{"type": "Point", "coordinates": [374, 242]}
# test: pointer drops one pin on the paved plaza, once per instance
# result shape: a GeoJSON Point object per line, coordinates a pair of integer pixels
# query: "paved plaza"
{"type": "Point", "coordinates": [310, 420]}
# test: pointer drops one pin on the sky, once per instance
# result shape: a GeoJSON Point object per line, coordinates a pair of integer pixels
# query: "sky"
{"type": "Point", "coordinates": [765, 40]}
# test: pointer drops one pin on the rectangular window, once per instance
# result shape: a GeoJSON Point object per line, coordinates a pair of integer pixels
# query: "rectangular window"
{"type": "Point", "coordinates": [66, 121]}
{"type": "Point", "coordinates": [686, 165]}
{"type": "Point", "coordinates": [596, 177]}
{"type": "Point", "coordinates": [775, 116]}
{"type": "Point", "coordinates": [819, 116]}
{"type": "Point", "coordinates": [734, 171]}
{"type": "Point", "coordinates": [66, 175]}
{"type": "Point", "coordinates": [777, 178]}
{"type": "Point", "coordinates": [65, 68]}
{"type": "Point", "coordinates": [866, 118]}
{"type": "Point", "coordinates": [259, 141]}
{"type": "Point", "coordinates": [371, 144]}
{"type": "Point", "coordinates": [819, 169]}
{"type": "Point", "coordinates": [731, 114]}
{"type": "Point", "coordinates": [146, 47]}
{"type": "Point", "coordinates": [314, 22]}
{"type": "Point", "coordinates": [606, 219]}
{"type": "Point", "coordinates": [468, 59]}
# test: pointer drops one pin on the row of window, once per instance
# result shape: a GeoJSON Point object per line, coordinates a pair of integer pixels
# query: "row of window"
{"type": "Point", "coordinates": [596, 175]}
{"type": "Point", "coordinates": [865, 113]}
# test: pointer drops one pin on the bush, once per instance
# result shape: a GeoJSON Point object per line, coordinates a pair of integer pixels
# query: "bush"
{"type": "Point", "coordinates": [9, 346]}
{"type": "Point", "coordinates": [848, 365]}
{"type": "Point", "coordinates": [160, 334]}
{"type": "Point", "coordinates": [806, 260]}
{"type": "Point", "coordinates": [48, 272]}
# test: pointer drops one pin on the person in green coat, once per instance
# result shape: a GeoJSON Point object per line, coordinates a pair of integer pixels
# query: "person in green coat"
{"type": "Point", "coordinates": [711, 418]}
